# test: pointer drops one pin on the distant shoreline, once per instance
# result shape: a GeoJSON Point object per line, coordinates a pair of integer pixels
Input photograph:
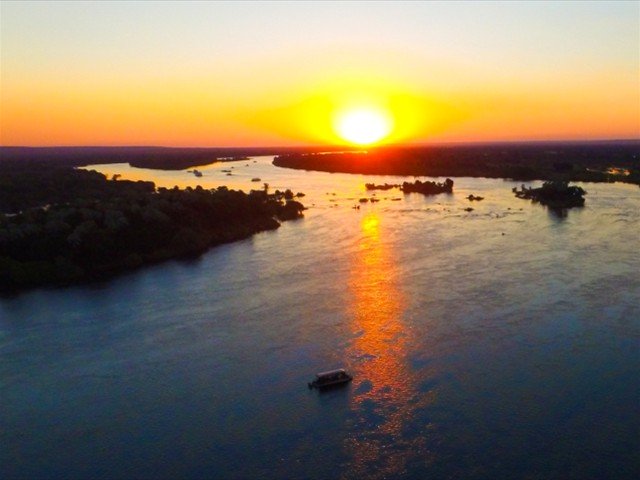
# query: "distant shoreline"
{"type": "Point", "coordinates": [577, 162]}
{"type": "Point", "coordinates": [157, 158]}
{"type": "Point", "coordinates": [182, 158]}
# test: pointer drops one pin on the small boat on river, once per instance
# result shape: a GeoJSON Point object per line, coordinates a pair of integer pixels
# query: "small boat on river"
{"type": "Point", "coordinates": [330, 379]}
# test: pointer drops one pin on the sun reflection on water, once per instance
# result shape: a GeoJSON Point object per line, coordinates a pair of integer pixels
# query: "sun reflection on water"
{"type": "Point", "coordinates": [385, 396]}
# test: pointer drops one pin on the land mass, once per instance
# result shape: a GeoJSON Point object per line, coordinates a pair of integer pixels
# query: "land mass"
{"type": "Point", "coordinates": [610, 161]}
{"type": "Point", "coordinates": [60, 225]}
{"type": "Point", "coordinates": [553, 194]}
{"type": "Point", "coordinates": [160, 158]}
{"type": "Point", "coordinates": [425, 188]}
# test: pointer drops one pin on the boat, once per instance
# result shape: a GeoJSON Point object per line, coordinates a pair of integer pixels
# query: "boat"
{"type": "Point", "coordinates": [197, 173]}
{"type": "Point", "coordinates": [330, 379]}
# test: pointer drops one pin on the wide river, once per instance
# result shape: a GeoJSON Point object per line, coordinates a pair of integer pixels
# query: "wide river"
{"type": "Point", "coordinates": [497, 343]}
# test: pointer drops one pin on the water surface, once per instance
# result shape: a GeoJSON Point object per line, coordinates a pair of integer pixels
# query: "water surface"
{"type": "Point", "coordinates": [496, 343]}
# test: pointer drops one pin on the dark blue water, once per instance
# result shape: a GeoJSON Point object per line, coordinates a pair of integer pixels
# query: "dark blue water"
{"type": "Point", "coordinates": [498, 343]}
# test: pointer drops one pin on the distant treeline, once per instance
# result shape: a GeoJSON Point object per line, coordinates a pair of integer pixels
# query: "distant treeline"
{"type": "Point", "coordinates": [585, 162]}
{"type": "Point", "coordinates": [75, 225]}
{"type": "Point", "coordinates": [161, 158]}
{"type": "Point", "coordinates": [29, 184]}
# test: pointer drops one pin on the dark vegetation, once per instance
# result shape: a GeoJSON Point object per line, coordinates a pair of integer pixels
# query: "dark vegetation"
{"type": "Point", "coordinates": [425, 188]}
{"type": "Point", "coordinates": [25, 185]}
{"type": "Point", "coordinates": [161, 158]}
{"type": "Point", "coordinates": [59, 225]}
{"type": "Point", "coordinates": [585, 162]}
{"type": "Point", "coordinates": [553, 194]}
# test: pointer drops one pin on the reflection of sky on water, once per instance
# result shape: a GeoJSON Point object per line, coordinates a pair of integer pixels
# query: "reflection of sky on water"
{"type": "Point", "coordinates": [496, 343]}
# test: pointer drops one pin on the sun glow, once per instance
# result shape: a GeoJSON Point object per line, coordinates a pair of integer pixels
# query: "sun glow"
{"type": "Point", "coordinates": [363, 126]}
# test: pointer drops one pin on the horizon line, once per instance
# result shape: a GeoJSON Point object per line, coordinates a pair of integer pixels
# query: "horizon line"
{"type": "Point", "coordinates": [334, 146]}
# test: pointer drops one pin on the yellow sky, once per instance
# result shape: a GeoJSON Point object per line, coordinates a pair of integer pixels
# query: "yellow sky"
{"type": "Point", "coordinates": [259, 74]}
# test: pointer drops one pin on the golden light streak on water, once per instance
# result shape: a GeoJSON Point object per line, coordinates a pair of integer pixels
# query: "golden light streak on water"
{"type": "Point", "coordinates": [381, 351]}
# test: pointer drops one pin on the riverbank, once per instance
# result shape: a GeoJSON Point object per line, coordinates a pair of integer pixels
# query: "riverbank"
{"type": "Point", "coordinates": [87, 227]}
{"type": "Point", "coordinates": [158, 158]}
{"type": "Point", "coordinates": [576, 162]}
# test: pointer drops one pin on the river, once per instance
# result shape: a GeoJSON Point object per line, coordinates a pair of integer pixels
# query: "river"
{"type": "Point", "coordinates": [501, 342]}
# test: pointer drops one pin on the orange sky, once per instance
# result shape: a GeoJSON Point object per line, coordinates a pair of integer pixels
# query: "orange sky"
{"type": "Point", "coordinates": [260, 74]}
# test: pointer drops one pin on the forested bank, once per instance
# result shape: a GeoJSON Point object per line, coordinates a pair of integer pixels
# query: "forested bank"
{"type": "Point", "coordinates": [60, 225]}
{"type": "Point", "coordinates": [159, 158]}
{"type": "Point", "coordinates": [577, 162]}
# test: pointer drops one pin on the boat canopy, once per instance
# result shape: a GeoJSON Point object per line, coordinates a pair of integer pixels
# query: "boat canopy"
{"type": "Point", "coordinates": [330, 373]}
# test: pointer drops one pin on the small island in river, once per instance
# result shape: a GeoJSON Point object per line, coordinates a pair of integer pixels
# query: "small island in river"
{"type": "Point", "coordinates": [60, 225]}
{"type": "Point", "coordinates": [425, 188]}
{"type": "Point", "coordinates": [553, 194]}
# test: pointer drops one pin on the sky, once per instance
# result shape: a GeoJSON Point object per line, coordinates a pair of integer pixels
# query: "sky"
{"type": "Point", "coordinates": [281, 73]}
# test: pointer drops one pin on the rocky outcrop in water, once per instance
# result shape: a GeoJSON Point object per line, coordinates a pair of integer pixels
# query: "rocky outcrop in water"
{"type": "Point", "coordinates": [474, 198]}
{"type": "Point", "coordinates": [385, 186]}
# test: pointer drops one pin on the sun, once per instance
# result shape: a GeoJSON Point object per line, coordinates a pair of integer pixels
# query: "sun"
{"type": "Point", "coordinates": [363, 126]}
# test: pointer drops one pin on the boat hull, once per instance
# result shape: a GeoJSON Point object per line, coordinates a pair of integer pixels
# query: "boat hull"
{"type": "Point", "coordinates": [330, 384]}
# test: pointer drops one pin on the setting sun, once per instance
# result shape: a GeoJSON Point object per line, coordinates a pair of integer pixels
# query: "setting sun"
{"type": "Point", "coordinates": [363, 126]}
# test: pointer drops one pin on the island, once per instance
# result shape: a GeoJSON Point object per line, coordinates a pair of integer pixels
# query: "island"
{"type": "Point", "coordinates": [425, 188]}
{"type": "Point", "coordinates": [60, 225]}
{"type": "Point", "coordinates": [553, 194]}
